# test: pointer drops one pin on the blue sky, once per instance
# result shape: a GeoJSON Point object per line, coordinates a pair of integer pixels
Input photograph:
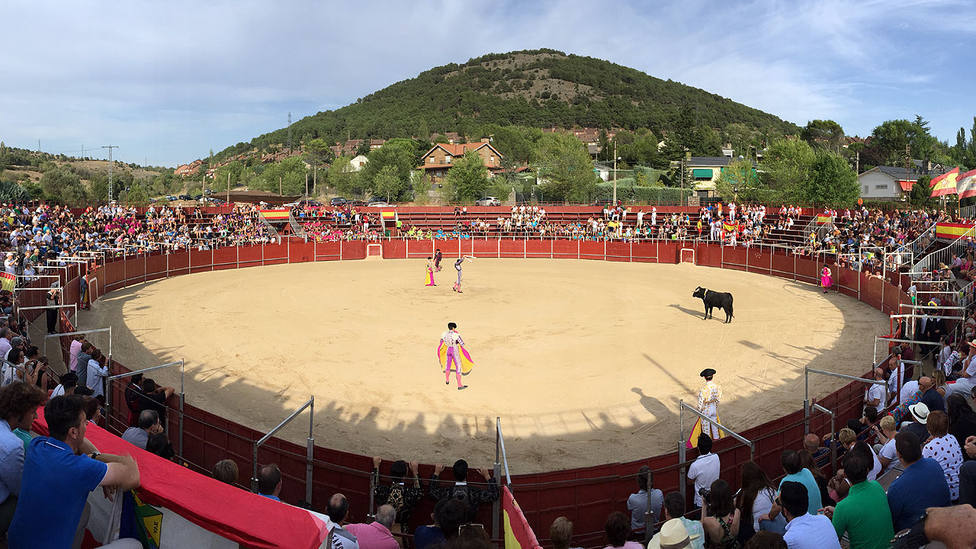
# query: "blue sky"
{"type": "Point", "coordinates": [167, 81]}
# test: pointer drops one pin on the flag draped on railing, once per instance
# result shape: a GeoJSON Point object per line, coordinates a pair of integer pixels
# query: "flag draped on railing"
{"type": "Point", "coordinates": [966, 184]}
{"type": "Point", "coordinates": [518, 534]}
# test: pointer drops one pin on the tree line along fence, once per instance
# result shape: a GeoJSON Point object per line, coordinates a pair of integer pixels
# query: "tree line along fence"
{"type": "Point", "coordinates": [585, 495]}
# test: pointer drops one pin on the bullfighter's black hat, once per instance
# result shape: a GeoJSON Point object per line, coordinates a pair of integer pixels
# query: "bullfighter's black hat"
{"type": "Point", "coordinates": [707, 372]}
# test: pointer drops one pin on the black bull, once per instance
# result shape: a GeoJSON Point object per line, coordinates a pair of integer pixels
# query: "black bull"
{"type": "Point", "coordinates": [722, 300]}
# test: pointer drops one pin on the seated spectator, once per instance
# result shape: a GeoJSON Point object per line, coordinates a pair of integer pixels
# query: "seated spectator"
{"type": "Point", "coordinates": [448, 516]}
{"type": "Point", "coordinates": [811, 443]}
{"type": "Point", "coordinates": [848, 440]}
{"type": "Point", "coordinates": [148, 425]}
{"type": "Point", "coordinates": [561, 533]}
{"type": "Point", "coordinates": [637, 503]}
{"type": "Point", "coordinates": [795, 472]}
{"type": "Point", "coordinates": [864, 514]}
{"type": "Point", "coordinates": [930, 394]}
{"type": "Point", "coordinates": [673, 535]}
{"type": "Point", "coordinates": [67, 386]}
{"type": "Point", "coordinates": [920, 486]}
{"type": "Point", "coordinates": [18, 408]}
{"type": "Point", "coordinates": [58, 478]}
{"type": "Point", "coordinates": [838, 486]}
{"type": "Point", "coordinates": [754, 500]}
{"type": "Point", "coordinates": [767, 540]}
{"type": "Point", "coordinates": [376, 535]}
{"type": "Point", "coordinates": [919, 415]}
{"type": "Point", "coordinates": [806, 460]}
{"type": "Point", "coordinates": [705, 469]}
{"type": "Point", "coordinates": [720, 518]}
{"type": "Point", "coordinates": [617, 529]}
{"type": "Point", "coordinates": [874, 395]}
{"type": "Point", "coordinates": [470, 495]}
{"type": "Point", "coordinates": [886, 431]}
{"type": "Point", "coordinates": [337, 509]}
{"type": "Point", "coordinates": [944, 448]}
{"type": "Point", "coordinates": [674, 508]}
{"type": "Point", "coordinates": [269, 481]}
{"type": "Point", "coordinates": [804, 530]}
{"type": "Point", "coordinates": [962, 418]}
{"type": "Point", "coordinates": [401, 496]}
{"type": "Point", "coordinates": [226, 471]}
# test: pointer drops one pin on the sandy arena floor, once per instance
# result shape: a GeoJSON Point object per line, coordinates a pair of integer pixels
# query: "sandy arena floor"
{"type": "Point", "coordinates": [584, 361]}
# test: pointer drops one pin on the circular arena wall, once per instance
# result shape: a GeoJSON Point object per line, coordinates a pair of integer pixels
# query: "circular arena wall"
{"type": "Point", "coordinates": [589, 492]}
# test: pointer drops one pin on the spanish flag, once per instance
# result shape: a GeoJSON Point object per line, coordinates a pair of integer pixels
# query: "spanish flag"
{"type": "Point", "coordinates": [952, 231]}
{"type": "Point", "coordinates": [276, 215]}
{"type": "Point", "coordinates": [7, 281]}
{"type": "Point", "coordinates": [966, 184]}
{"type": "Point", "coordinates": [823, 219]}
{"type": "Point", "coordinates": [945, 183]}
{"type": "Point", "coordinates": [730, 227]}
{"type": "Point", "coordinates": [518, 533]}
{"type": "Point", "coordinates": [388, 214]}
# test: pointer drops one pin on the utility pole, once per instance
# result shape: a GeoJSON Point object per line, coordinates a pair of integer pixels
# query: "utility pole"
{"type": "Point", "coordinates": [110, 163]}
{"type": "Point", "coordinates": [228, 187]}
{"type": "Point", "coordinates": [615, 172]}
{"type": "Point", "coordinates": [289, 134]}
{"type": "Point", "coordinates": [857, 162]}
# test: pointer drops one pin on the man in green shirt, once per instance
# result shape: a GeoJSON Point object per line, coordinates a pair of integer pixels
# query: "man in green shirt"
{"type": "Point", "coordinates": [864, 514]}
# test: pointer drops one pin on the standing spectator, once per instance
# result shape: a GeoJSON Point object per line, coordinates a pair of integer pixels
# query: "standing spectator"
{"type": "Point", "coordinates": [617, 529]}
{"type": "Point", "coordinates": [269, 481]}
{"type": "Point", "coordinates": [705, 469]}
{"type": "Point", "coordinates": [864, 514]}
{"type": "Point", "coordinates": [226, 471]}
{"type": "Point", "coordinates": [962, 418]}
{"type": "Point", "coordinates": [52, 298]}
{"type": "Point", "coordinates": [674, 508]}
{"type": "Point", "coordinates": [337, 509]}
{"type": "Point", "coordinates": [803, 529]}
{"type": "Point", "coordinates": [754, 500]}
{"type": "Point", "coordinates": [155, 397]}
{"type": "Point", "coordinates": [58, 478]}
{"type": "Point", "coordinates": [97, 372]}
{"type": "Point", "coordinates": [944, 448]}
{"type": "Point", "coordinates": [73, 351]}
{"type": "Point", "coordinates": [402, 497]}
{"type": "Point", "coordinates": [561, 533]}
{"type": "Point", "coordinates": [81, 368]}
{"type": "Point", "coordinates": [18, 408]}
{"type": "Point", "coordinates": [461, 490]}
{"type": "Point", "coordinates": [920, 486]}
{"type": "Point", "coordinates": [720, 517]}
{"type": "Point", "coordinates": [637, 503]}
{"type": "Point", "coordinates": [376, 535]}
{"type": "Point", "coordinates": [133, 396]}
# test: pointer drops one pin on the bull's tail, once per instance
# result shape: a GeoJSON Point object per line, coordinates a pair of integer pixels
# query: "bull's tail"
{"type": "Point", "coordinates": [731, 314]}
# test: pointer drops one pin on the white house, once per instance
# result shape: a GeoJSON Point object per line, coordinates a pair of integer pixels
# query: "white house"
{"type": "Point", "coordinates": [886, 183]}
{"type": "Point", "coordinates": [358, 162]}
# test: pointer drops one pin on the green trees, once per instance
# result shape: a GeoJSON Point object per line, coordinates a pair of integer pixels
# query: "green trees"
{"type": "Point", "coordinates": [787, 163]}
{"type": "Point", "coordinates": [467, 180]}
{"type": "Point", "coordinates": [739, 182]}
{"type": "Point", "coordinates": [387, 183]}
{"type": "Point", "coordinates": [564, 169]}
{"type": "Point", "coordinates": [343, 178]}
{"type": "Point", "coordinates": [824, 133]}
{"type": "Point", "coordinates": [287, 175]}
{"type": "Point", "coordinates": [832, 182]}
{"type": "Point", "coordinates": [401, 156]}
{"type": "Point", "coordinates": [60, 184]}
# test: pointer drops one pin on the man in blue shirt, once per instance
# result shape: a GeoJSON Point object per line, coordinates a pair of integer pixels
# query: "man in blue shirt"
{"type": "Point", "coordinates": [58, 478]}
{"type": "Point", "coordinates": [269, 481]}
{"type": "Point", "coordinates": [803, 529]}
{"type": "Point", "coordinates": [920, 486]}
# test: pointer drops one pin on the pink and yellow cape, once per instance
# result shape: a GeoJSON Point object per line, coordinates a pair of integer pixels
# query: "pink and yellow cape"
{"type": "Point", "coordinates": [466, 362]}
{"type": "Point", "coordinates": [697, 430]}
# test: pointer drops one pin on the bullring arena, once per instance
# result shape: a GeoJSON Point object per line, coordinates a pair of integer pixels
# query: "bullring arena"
{"type": "Point", "coordinates": [583, 350]}
{"type": "Point", "coordinates": [583, 361]}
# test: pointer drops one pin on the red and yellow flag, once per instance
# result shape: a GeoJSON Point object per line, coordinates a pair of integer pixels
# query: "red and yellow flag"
{"type": "Point", "coordinates": [966, 184]}
{"type": "Point", "coordinates": [823, 219]}
{"type": "Point", "coordinates": [945, 183]}
{"type": "Point", "coordinates": [7, 281]}
{"type": "Point", "coordinates": [730, 227]}
{"type": "Point", "coordinates": [518, 533]}
{"type": "Point", "coordinates": [275, 215]}
{"type": "Point", "coordinates": [952, 231]}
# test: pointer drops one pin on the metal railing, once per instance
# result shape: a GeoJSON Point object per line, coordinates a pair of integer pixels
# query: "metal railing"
{"type": "Point", "coordinates": [48, 337]}
{"type": "Point", "coordinates": [181, 363]}
{"type": "Point", "coordinates": [806, 388]}
{"type": "Point", "coordinates": [942, 256]}
{"type": "Point", "coordinates": [683, 470]}
{"type": "Point", "coordinates": [833, 429]}
{"type": "Point", "coordinates": [310, 448]}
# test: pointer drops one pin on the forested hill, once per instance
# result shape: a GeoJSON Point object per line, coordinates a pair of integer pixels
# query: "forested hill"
{"type": "Point", "coordinates": [538, 88]}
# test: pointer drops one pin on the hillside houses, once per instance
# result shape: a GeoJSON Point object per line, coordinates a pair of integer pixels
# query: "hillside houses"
{"type": "Point", "coordinates": [440, 158]}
